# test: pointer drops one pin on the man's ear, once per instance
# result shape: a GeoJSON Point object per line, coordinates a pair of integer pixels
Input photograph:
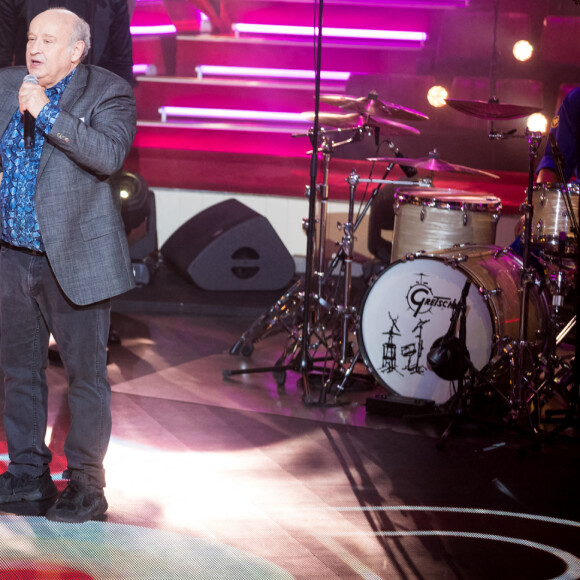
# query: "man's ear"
{"type": "Point", "coordinates": [77, 51]}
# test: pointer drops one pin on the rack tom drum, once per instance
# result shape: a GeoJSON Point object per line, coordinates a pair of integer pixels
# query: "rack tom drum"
{"type": "Point", "coordinates": [551, 217]}
{"type": "Point", "coordinates": [440, 218]}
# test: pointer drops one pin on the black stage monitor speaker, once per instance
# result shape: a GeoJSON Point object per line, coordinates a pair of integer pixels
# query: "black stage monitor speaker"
{"type": "Point", "coordinates": [230, 247]}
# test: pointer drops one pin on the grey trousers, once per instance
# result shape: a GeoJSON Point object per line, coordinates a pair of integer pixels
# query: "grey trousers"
{"type": "Point", "coordinates": [32, 306]}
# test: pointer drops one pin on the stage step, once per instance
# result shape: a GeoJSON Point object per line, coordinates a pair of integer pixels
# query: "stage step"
{"type": "Point", "coordinates": [292, 54]}
{"type": "Point", "coordinates": [296, 97]}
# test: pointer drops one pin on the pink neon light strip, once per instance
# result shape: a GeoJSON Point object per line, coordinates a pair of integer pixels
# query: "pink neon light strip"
{"type": "Point", "coordinates": [237, 114]}
{"type": "Point", "coordinates": [161, 29]}
{"type": "Point", "coordinates": [141, 69]}
{"type": "Point", "coordinates": [247, 71]}
{"type": "Point", "coordinates": [332, 32]}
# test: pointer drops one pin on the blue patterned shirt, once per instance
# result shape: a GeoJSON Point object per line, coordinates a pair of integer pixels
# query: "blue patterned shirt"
{"type": "Point", "coordinates": [19, 221]}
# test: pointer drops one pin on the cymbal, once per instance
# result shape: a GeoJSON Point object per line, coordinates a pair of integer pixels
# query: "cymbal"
{"type": "Point", "coordinates": [355, 121]}
{"type": "Point", "coordinates": [491, 110]}
{"type": "Point", "coordinates": [433, 163]}
{"type": "Point", "coordinates": [371, 105]}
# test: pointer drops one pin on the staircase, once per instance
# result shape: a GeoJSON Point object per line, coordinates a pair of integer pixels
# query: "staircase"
{"type": "Point", "coordinates": [221, 111]}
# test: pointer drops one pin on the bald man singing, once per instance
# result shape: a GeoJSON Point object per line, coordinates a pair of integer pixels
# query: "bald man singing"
{"type": "Point", "coordinates": [66, 129]}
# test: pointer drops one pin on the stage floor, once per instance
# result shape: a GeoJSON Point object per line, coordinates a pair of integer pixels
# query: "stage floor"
{"type": "Point", "coordinates": [213, 477]}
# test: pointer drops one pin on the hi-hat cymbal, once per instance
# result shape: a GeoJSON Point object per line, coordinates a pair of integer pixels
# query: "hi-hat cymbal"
{"type": "Point", "coordinates": [433, 163]}
{"type": "Point", "coordinates": [491, 110]}
{"type": "Point", "coordinates": [373, 106]}
{"type": "Point", "coordinates": [355, 121]}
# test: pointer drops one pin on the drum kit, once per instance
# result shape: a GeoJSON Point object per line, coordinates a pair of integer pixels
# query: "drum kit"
{"type": "Point", "coordinates": [453, 320]}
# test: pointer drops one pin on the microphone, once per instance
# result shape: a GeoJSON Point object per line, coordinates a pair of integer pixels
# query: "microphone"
{"type": "Point", "coordinates": [408, 170]}
{"type": "Point", "coordinates": [28, 119]}
{"type": "Point", "coordinates": [448, 356]}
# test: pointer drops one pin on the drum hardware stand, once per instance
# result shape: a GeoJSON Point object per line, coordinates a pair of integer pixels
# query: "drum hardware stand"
{"type": "Point", "coordinates": [303, 363]}
{"type": "Point", "coordinates": [518, 401]}
{"type": "Point", "coordinates": [291, 305]}
{"type": "Point", "coordinates": [449, 359]}
{"type": "Point", "coordinates": [560, 374]}
{"type": "Point", "coordinates": [347, 312]}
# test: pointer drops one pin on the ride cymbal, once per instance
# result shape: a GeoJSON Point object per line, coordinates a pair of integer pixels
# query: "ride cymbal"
{"type": "Point", "coordinates": [491, 110]}
{"type": "Point", "coordinates": [372, 106]}
{"type": "Point", "coordinates": [434, 163]}
{"type": "Point", "coordinates": [355, 121]}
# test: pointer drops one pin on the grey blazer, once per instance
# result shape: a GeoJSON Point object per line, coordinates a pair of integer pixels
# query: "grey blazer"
{"type": "Point", "coordinates": [76, 202]}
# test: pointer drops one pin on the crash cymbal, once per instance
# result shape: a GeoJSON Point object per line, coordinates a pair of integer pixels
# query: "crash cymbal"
{"type": "Point", "coordinates": [356, 121]}
{"type": "Point", "coordinates": [373, 106]}
{"type": "Point", "coordinates": [492, 109]}
{"type": "Point", "coordinates": [434, 163]}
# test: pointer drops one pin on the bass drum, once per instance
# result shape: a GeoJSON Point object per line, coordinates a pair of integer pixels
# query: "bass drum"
{"type": "Point", "coordinates": [410, 305]}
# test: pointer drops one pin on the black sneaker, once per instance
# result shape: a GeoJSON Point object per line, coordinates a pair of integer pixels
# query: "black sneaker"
{"type": "Point", "coordinates": [26, 488]}
{"type": "Point", "coordinates": [78, 503]}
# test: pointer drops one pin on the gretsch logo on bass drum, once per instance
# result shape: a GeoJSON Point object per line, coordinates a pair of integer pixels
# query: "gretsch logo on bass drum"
{"type": "Point", "coordinates": [421, 300]}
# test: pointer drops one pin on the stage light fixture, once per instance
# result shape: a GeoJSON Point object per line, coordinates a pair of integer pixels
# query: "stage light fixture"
{"type": "Point", "coordinates": [139, 218]}
{"type": "Point", "coordinates": [537, 123]}
{"type": "Point", "coordinates": [436, 96]}
{"type": "Point", "coordinates": [523, 50]}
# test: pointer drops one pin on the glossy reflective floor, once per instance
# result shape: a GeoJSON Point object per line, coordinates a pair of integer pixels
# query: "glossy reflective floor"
{"type": "Point", "coordinates": [238, 478]}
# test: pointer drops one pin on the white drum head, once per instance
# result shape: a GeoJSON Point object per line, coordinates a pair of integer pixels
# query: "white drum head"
{"type": "Point", "coordinates": [408, 307]}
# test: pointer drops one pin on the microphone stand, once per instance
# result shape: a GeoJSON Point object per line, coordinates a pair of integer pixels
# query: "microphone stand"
{"type": "Point", "coordinates": [457, 364]}
{"type": "Point", "coordinates": [305, 363]}
{"type": "Point", "coordinates": [460, 406]}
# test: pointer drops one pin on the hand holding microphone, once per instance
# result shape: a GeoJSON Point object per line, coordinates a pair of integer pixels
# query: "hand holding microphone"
{"type": "Point", "coordinates": [32, 99]}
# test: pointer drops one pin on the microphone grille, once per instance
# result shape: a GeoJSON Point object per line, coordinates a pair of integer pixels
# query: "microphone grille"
{"type": "Point", "coordinates": [30, 79]}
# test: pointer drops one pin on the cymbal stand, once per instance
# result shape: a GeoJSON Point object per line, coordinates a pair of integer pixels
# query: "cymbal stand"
{"type": "Point", "coordinates": [347, 312]}
{"type": "Point", "coordinates": [283, 314]}
{"type": "Point", "coordinates": [519, 401]}
{"type": "Point", "coordinates": [520, 352]}
{"type": "Point", "coordinates": [560, 374]}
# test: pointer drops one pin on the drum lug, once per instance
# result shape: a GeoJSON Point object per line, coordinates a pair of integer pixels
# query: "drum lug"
{"type": "Point", "coordinates": [410, 256]}
{"type": "Point", "coordinates": [495, 218]}
{"type": "Point", "coordinates": [422, 215]}
{"type": "Point", "coordinates": [487, 293]}
{"type": "Point", "coordinates": [396, 206]}
{"type": "Point", "coordinates": [454, 260]}
{"type": "Point", "coordinates": [543, 199]}
{"type": "Point", "coordinates": [465, 218]}
{"type": "Point", "coordinates": [540, 226]}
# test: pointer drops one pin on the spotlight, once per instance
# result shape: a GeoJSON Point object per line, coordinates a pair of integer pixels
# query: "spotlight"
{"type": "Point", "coordinates": [436, 96]}
{"type": "Point", "coordinates": [537, 123]}
{"type": "Point", "coordinates": [139, 218]}
{"type": "Point", "coordinates": [523, 50]}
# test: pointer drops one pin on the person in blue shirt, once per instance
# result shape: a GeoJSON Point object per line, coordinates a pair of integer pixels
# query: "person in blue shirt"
{"type": "Point", "coordinates": [566, 129]}
{"type": "Point", "coordinates": [63, 256]}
